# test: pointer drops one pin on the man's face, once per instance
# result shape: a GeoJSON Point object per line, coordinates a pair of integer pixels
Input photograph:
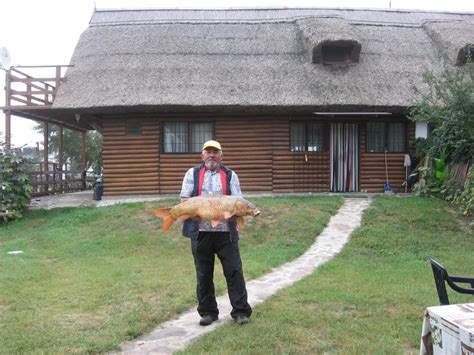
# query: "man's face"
{"type": "Point", "coordinates": [212, 158]}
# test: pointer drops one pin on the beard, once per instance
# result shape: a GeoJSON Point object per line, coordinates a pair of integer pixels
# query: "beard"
{"type": "Point", "coordinates": [212, 164]}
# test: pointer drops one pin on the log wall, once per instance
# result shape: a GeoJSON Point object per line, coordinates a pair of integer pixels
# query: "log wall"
{"type": "Point", "coordinates": [256, 148]}
{"type": "Point", "coordinates": [372, 165]}
{"type": "Point", "coordinates": [130, 161]}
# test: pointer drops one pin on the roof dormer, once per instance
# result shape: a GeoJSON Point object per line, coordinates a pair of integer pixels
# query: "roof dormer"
{"type": "Point", "coordinates": [329, 41]}
{"type": "Point", "coordinates": [465, 54]}
{"type": "Point", "coordinates": [336, 52]}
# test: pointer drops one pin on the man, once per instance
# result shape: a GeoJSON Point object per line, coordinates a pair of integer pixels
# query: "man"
{"type": "Point", "coordinates": [212, 178]}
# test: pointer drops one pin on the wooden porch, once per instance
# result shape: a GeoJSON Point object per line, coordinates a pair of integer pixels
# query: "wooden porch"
{"type": "Point", "coordinates": [29, 93]}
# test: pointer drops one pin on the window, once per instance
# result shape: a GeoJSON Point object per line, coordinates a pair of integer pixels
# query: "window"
{"type": "Point", "coordinates": [186, 137]}
{"type": "Point", "coordinates": [338, 52]}
{"type": "Point", "coordinates": [465, 55]}
{"type": "Point", "coordinates": [134, 128]}
{"type": "Point", "coordinates": [388, 136]}
{"type": "Point", "coordinates": [308, 136]}
{"type": "Point", "coordinates": [376, 137]}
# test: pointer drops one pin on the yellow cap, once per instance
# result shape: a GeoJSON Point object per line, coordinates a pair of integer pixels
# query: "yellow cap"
{"type": "Point", "coordinates": [211, 144]}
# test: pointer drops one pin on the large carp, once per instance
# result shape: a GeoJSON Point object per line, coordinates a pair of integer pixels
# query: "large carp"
{"type": "Point", "coordinates": [210, 208]}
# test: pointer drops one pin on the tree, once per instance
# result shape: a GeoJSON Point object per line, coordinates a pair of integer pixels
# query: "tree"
{"type": "Point", "coordinates": [449, 107]}
{"type": "Point", "coordinates": [72, 147]}
{"type": "Point", "coordinates": [15, 186]}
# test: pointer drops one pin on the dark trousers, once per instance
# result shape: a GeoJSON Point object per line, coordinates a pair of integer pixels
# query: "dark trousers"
{"type": "Point", "coordinates": [207, 245]}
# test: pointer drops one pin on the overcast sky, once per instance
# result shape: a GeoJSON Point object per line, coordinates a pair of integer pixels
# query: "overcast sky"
{"type": "Point", "coordinates": [45, 32]}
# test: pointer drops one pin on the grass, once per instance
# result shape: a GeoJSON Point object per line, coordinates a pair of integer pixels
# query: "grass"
{"type": "Point", "coordinates": [370, 299]}
{"type": "Point", "coordinates": [90, 279]}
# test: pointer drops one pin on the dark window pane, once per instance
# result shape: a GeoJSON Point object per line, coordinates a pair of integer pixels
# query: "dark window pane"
{"type": "Point", "coordinates": [200, 133]}
{"type": "Point", "coordinates": [375, 136]}
{"type": "Point", "coordinates": [315, 136]}
{"type": "Point", "coordinates": [336, 54]}
{"type": "Point", "coordinates": [297, 136]}
{"type": "Point", "coordinates": [175, 137]}
{"type": "Point", "coordinates": [396, 137]}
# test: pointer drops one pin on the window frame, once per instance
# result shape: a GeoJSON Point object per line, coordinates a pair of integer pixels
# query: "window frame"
{"type": "Point", "coordinates": [188, 124]}
{"type": "Point", "coordinates": [307, 122]}
{"type": "Point", "coordinates": [386, 137]}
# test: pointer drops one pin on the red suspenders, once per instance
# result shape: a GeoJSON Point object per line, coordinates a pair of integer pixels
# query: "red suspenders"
{"type": "Point", "coordinates": [223, 181]}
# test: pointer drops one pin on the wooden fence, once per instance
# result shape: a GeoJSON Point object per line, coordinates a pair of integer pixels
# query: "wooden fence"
{"type": "Point", "coordinates": [459, 172]}
{"type": "Point", "coordinates": [48, 179]}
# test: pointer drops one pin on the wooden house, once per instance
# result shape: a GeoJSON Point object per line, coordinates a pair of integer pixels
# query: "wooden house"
{"type": "Point", "coordinates": [302, 100]}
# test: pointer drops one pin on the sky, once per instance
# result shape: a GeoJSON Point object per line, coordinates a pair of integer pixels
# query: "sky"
{"type": "Point", "coordinates": [45, 32]}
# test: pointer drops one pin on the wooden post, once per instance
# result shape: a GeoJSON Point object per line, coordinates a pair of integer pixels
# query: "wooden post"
{"type": "Point", "coordinates": [8, 129]}
{"type": "Point", "coordinates": [84, 159]}
{"type": "Point", "coordinates": [57, 81]}
{"type": "Point", "coordinates": [60, 157]}
{"type": "Point", "coordinates": [8, 132]}
{"type": "Point", "coordinates": [46, 156]}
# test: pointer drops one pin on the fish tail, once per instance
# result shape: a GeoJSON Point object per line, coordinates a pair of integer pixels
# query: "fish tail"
{"type": "Point", "coordinates": [162, 212]}
{"type": "Point", "coordinates": [168, 221]}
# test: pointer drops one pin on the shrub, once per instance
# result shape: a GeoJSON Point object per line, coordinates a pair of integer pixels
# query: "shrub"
{"type": "Point", "coordinates": [449, 107]}
{"type": "Point", "coordinates": [15, 189]}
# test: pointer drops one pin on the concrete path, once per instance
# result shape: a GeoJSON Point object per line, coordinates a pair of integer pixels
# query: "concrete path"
{"type": "Point", "coordinates": [176, 334]}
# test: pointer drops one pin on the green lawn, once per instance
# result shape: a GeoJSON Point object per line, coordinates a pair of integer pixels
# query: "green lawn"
{"type": "Point", "coordinates": [371, 298]}
{"type": "Point", "coordinates": [91, 278]}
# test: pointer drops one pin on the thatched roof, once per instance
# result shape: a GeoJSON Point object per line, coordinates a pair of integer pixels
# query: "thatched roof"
{"type": "Point", "coordinates": [256, 60]}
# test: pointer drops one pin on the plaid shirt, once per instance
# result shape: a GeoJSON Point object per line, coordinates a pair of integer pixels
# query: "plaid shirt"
{"type": "Point", "coordinates": [211, 185]}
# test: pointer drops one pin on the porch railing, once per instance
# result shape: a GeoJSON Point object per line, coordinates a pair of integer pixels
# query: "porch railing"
{"type": "Point", "coordinates": [48, 179]}
{"type": "Point", "coordinates": [33, 85]}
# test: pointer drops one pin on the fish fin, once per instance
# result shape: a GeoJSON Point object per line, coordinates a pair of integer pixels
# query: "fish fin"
{"type": "Point", "coordinates": [214, 223]}
{"type": "Point", "coordinates": [168, 221]}
{"type": "Point", "coordinates": [184, 217]}
{"type": "Point", "coordinates": [162, 212]}
{"type": "Point", "coordinates": [228, 214]}
{"type": "Point", "coordinates": [240, 221]}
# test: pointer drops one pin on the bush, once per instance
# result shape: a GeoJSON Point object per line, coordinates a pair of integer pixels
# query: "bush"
{"type": "Point", "coordinates": [16, 189]}
{"type": "Point", "coordinates": [449, 107]}
{"type": "Point", "coordinates": [438, 182]}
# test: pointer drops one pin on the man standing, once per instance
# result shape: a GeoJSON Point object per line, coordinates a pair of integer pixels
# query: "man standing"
{"type": "Point", "coordinates": [206, 179]}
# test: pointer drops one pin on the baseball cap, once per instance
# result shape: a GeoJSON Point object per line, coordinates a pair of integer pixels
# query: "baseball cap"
{"type": "Point", "coordinates": [211, 144]}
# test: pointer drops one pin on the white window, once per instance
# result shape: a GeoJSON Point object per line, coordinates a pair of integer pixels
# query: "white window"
{"type": "Point", "coordinates": [186, 137]}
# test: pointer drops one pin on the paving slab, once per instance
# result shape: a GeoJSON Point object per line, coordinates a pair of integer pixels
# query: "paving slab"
{"type": "Point", "coordinates": [177, 334]}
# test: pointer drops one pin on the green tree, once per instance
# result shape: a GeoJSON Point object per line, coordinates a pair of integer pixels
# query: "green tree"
{"type": "Point", "coordinates": [449, 107]}
{"type": "Point", "coordinates": [15, 186]}
{"type": "Point", "coordinates": [72, 147]}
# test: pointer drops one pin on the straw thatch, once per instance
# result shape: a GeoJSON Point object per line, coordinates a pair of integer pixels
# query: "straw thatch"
{"type": "Point", "coordinates": [251, 60]}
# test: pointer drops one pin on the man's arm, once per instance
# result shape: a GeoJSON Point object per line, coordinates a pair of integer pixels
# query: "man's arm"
{"type": "Point", "coordinates": [187, 186]}
{"type": "Point", "coordinates": [235, 185]}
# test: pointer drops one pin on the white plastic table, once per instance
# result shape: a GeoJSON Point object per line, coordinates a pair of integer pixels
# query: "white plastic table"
{"type": "Point", "coordinates": [448, 330]}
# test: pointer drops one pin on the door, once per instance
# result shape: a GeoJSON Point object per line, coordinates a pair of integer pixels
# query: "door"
{"type": "Point", "coordinates": [344, 157]}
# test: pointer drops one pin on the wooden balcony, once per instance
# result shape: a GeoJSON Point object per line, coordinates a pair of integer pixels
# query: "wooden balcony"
{"type": "Point", "coordinates": [32, 86]}
{"type": "Point", "coordinates": [30, 92]}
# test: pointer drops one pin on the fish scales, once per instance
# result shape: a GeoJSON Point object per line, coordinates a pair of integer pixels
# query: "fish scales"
{"type": "Point", "coordinates": [211, 208]}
